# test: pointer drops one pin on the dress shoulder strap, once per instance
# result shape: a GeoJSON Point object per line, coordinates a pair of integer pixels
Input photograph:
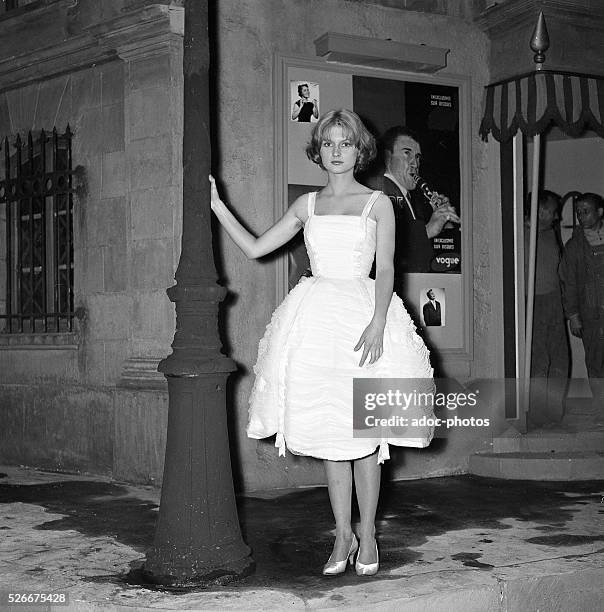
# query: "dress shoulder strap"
{"type": "Point", "coordinates": [374, 196]}
{"type": "Point", "coordinates": [312, 197]}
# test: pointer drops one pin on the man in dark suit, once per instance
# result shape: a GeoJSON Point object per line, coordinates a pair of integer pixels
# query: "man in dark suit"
{"type": "Point", "coordinates": [431, 310]}
{"type": "Point", "coordinates": [416, 220]}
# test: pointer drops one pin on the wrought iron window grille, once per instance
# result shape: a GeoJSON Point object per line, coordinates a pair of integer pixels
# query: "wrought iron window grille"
{"type": "Point", "coordinates": [9, 5]}
{"type": "Point", "coordinates": [36, 203]}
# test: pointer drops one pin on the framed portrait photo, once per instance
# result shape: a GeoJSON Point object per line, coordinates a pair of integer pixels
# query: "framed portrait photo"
{"type": "Point", "coordinates": [304, 101]}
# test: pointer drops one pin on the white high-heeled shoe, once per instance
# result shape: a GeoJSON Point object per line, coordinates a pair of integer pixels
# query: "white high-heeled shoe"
{"type": "Point", "coordinates": [367, 569]}
{"type": "Point", "coordinates": [339, 567]}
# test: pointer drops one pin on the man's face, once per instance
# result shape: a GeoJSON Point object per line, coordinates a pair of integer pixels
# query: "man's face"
{"type": "Point", "coordinates": [588, 214]}
{"type": "Point", "coordinates": [431, 294]}
{"type": "Point", "coordinates": [403, 162]}
{"type": "Point", "coordinates": [548, 215]}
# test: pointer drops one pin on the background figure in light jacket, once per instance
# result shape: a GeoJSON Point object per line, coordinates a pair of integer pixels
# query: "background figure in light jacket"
{"type": "Point", "coordinates": [582, 275]}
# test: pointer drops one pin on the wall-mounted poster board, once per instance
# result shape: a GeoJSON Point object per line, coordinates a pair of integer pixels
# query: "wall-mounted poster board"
{"type": "Point", "coordinates": [437, 108]}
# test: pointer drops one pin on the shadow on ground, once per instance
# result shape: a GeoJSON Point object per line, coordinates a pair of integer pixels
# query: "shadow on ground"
{"type": "Point", "coordinates": [291, 535]}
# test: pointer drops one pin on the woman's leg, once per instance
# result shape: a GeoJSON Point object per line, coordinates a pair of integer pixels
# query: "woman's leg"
{"type": "Point", "coordinates": [339, 485]}
{"type": "Point", "coordinates": [367, 474]}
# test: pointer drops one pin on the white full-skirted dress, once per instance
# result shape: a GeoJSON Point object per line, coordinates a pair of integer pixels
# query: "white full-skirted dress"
{"type": "Point", "coordinates": [303, 390]}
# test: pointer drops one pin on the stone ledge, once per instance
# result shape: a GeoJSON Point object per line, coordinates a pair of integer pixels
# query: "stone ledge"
{"type": "Point", "coordinates": [500, 18]}
{"type": "Point", "coordinates": [546, 466]}
{"type": "Point", "coordinates": [19, 11]}
{"type": "Point", "coordinates": [550, 441]}
{"type": "Point", "coordinates": [141, 373]}
{"type": "Point", "coordinates": [49, 341]}
{"type": "Point", "coordinates": [154, 28]}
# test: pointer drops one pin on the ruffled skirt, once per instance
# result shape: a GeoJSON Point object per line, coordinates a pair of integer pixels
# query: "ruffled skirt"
{"type": "Point", "coordinates": [303, 390]}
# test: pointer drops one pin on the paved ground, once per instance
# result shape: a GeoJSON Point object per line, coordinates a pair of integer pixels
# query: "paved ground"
{"type": "Point", "coordinates": [456, 543]}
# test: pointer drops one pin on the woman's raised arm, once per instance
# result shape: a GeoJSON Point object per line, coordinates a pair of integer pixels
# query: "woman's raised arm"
{"type": "Point", "coordinates": [277, 235]}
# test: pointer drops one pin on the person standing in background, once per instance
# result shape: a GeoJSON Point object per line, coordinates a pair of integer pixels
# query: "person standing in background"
{"type": "Point", "coordinates": [550, 350]}
{"type": "Point", "coordinates": [582, 277]}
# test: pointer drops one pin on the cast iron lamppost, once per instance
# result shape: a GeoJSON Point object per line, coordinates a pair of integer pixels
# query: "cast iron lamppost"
{"type": "Point", "coordinates": [197, 540]}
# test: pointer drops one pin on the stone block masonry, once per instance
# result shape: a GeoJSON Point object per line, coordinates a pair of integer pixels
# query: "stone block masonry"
{"type": "Point", "coordinates": [125, 109]}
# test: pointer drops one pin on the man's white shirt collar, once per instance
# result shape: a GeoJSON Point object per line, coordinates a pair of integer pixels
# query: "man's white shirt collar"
{"type": "Point", "coordinates": [403, 191]}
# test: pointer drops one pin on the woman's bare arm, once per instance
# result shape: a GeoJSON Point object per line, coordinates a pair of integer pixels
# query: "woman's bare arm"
{"type": "Point", "coordinates": [277, 235]}
{"type": "Point", "coordinates": [372, 338]}
{"type": "Point", "coordinates": [384, 256]}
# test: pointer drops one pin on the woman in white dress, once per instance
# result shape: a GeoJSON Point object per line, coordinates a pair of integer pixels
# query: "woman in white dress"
{"type": "Point", "coordinates": [335, 326]}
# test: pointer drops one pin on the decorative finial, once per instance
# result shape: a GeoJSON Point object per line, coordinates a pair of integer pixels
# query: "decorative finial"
{"type": "Point", "coordinates": [540, 42]}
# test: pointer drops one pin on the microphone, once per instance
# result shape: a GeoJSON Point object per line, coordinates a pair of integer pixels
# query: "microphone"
{"type": "Point", "coordinates": [426, 190]}
{"type": "Point", "coordinates": [435, 200]}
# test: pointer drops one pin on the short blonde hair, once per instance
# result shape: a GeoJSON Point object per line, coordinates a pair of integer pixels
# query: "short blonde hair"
{"type": "Point", "coordinates": [354, 129]}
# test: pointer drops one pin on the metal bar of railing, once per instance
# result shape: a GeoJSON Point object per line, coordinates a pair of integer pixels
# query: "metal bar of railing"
{"type": "Point", "coordinates": [56, 243]}
{"type": "Point", "coordinates": [20, 232]}
{"type": "Point", "coordinates": [32, 234]}
{"type": "Point", "coordinates": [9, 237]}
{"type": "Point", "coordinates": [68, 232]}
{"type": "Point", "coordinates": [42, 200]}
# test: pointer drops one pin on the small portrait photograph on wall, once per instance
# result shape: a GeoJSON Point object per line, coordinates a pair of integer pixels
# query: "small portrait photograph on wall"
{"type": "Point", "coordinates": [433, 307]}
{"type": "Point", "coordinates": [304, 97]}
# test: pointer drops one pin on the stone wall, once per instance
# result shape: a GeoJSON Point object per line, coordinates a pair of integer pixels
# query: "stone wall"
{"type": "Point", "coordinates": [125, 116]}
{"type": "Point", "coordinates": [465, 9]}
{"type": "Point", "coordinates": [93, 400]}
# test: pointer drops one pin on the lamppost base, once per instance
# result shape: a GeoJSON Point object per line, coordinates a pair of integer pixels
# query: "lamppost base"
{"type": "Point", "coordinates": [232, 571]}
{"type": "Point", "coordinates": [197, 539]}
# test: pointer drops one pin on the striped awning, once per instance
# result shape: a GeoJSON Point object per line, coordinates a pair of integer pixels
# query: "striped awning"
{"type": "Point", "coordinates": [532, 102]}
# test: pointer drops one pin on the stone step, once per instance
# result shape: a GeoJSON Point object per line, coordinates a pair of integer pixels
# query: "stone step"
{"type": "Point", "coordinates": [546, 441]}
{"type": "Point", "coordinates": [565, 465]}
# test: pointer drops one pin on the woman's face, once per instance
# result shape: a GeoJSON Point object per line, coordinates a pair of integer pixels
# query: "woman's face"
{"type": "Point", "coordinates": [588, 214]}
{"type": "Point", "coordinates": [338, 151]}
{"type": "Point", "coordinates": [305, 91]}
